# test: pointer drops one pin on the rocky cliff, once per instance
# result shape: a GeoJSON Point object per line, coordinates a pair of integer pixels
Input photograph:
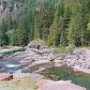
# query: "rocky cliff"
{"type": "Point", "coordinates": [7, 7]}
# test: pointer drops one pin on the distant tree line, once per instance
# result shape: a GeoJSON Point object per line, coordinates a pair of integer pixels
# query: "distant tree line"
{"type": "Point", "coordinates": [57, 22]}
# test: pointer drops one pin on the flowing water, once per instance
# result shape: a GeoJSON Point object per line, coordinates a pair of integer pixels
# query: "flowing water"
{"type": "Point", "coordinates": [11, 65]}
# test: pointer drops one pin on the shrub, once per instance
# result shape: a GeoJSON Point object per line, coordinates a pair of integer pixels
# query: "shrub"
{"type": "Point", "coordinates": [69, 49]}
{"type": "Point", "coordinates": [59, 50]}
{"type": "Point", "coordinates": [62, 49]}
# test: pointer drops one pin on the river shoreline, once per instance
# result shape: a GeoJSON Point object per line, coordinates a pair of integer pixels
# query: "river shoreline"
{"type": "Point", "coordinates": [35, 60]}
{"type": "Point", "coordinates": [32, 61]}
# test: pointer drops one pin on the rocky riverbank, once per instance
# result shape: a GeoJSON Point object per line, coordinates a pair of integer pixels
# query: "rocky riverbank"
{"type": "Point", "coordinates": [38, 60]}
{"type": "Point", "coordinates": [26, 82]}
{"type": "Point", "coordinates": [32, 61]}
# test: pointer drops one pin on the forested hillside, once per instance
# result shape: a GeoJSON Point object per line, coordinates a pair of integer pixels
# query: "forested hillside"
{"type": "Point", "coordinates": [58, 22]}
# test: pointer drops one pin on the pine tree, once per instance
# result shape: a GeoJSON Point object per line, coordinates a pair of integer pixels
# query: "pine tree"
{"type": "Point", "coordinates": [63, 34]}
{"type": "Point", "coordinates": [9, 22]}
{"type": "Point", "coordinates": [53, 35]}
{"type": "Point", "coordinates": [36, 36]}
{"type": "Point", "coordinates": [12, 37]}
{"type": "Point", "coordinates": [60, 22]}
{"type": "Point", "coordinates": [58, 25]}
{"type": "Point", "coordinates": [3, 38]}
{"type": "Point", "coordinates": [22, 31]}
{"type": "Point", "coordinates": [88, 34]}
{"type": "Point", "coordinates": [71, 31]}
{"type": "Point", "coordinates": [76, 30]}
{"type": "Point", "coordinates": [68, 11]}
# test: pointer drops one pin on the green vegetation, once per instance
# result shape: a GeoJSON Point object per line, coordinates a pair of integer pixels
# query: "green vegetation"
{"type": "Point", "coordinates": [25, 83]}
{"type": "Point", "coordinates": [64, 73]}
{"type": "Point", "coordinates": [63, 49]}
{"type": "Point", "coordinates": [57, 22]}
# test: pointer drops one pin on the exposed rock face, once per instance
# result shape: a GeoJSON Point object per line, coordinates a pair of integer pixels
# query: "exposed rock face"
{"type": "Point", "coordinates": [8, 8]}
{"type": "Point", "coordinates": [38, 44]}
{"type": "Point", "coordinates": [5, 76]}
{"type": "Point", "coordinates": [58, 85]}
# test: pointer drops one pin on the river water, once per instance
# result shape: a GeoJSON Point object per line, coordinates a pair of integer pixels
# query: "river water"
{"type": "Point", "coordinates": [11, 65]}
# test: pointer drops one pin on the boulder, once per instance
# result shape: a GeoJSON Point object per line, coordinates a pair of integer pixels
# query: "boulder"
{"type": "Point", "coordinates": [57, 85]}
{"type": "Point", "coordinates": [5, 76]}
{"type": "Point", "coordinates": [1, 56]}
{"type": "Point", "coordinates": [37, 44]}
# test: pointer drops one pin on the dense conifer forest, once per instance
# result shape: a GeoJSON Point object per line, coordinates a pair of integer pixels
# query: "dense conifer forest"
{"type": "Point", "coordinates": [57, 22]}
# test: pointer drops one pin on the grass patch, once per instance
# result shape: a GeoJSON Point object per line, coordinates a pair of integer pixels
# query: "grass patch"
{"type": "Point", "coordinates": [65, 73]}
{"type": "Point", "coordinates": [20, 84]}
{"type": "Point", "coordinates": [62, 49]}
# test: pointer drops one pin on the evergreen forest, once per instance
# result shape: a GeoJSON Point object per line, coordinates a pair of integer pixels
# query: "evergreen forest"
{"type": "Point", "coordinates": [57, 22]}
